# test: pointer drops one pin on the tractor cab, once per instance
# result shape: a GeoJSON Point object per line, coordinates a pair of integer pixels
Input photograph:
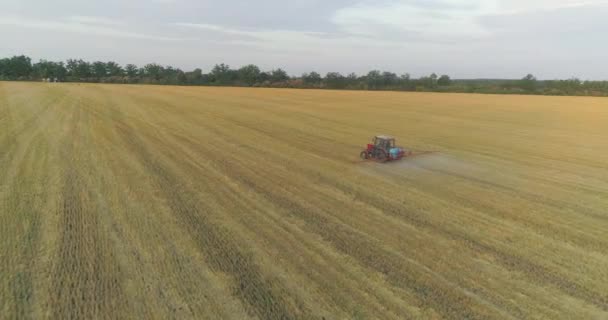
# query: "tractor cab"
{"type": "Point", "coordinates": [383, 149]}
{"type": "Point", "coordinates": [384, 142]}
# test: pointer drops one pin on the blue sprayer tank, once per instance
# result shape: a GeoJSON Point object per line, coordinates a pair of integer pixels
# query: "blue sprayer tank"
{"type": "Point", "coordinates": [395, 152]}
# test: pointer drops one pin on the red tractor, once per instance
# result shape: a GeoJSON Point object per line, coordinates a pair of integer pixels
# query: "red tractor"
{"type": "Point", "coordinates": [383, 149]}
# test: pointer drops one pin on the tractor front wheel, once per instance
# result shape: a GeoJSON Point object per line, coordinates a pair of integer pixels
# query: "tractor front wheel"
{"type": "Point", "coordinates": [364, 155]}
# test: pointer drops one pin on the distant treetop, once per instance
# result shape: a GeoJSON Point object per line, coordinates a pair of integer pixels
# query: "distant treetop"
{"type": "Point", "coordinates": [77, 70]}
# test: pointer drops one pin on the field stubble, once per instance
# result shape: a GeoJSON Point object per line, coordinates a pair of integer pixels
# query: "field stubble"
{"type": "Point", "coordinates": [176, 202]}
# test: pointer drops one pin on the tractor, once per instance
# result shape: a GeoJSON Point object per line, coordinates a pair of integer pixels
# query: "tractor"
{"type": "Point", "coordinates": [383, 149]}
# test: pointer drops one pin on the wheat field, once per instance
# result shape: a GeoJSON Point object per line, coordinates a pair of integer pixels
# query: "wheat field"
{"type": "Point", "coordinates": [159, 202]}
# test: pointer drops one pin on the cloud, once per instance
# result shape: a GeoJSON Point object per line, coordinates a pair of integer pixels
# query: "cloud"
{"type": "Point", "coordinates": [286, 45]}
{"type": "Point", "coordinates": [284, 40]}
{"type": "Point", "coordinates": [558, 22]}
{"type": "Point", "coordinates": [432, 20]}
{"type": "Point", "coordinates": [256, 35]}
{"type": "Point", "coordinates": [216, 28]}
{"type": "Point", "coordinates": [296, 15]}
{"type": "Point", "coordinates": [464, 38]}
{"type": "Point", "coordinates": [439, 20]}
{"type": "Point", "coordinates": [527, 6]}
{"type": "Point", "coordinates": [82, 24]}
{"type": "Point", "coordinates": [96, 20]}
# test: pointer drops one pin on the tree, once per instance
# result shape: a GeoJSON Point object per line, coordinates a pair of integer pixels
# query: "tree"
{"type": "Point", "coordinates": [264, 77]}
{"type": "Point", "coordinates": [406, 81]}
{"type": "Point", "coordinates": [195, 76]}
{"type": "Point", "coordinates": [59, 71]}
{"type": "Point", "coordinates": [389, 80]}
{"type": "Point", "coordinates": [429, 82]}
{"type": "Point", "coordinates": [3, 68]}
{"type": "Point", "coordinates": [21, 68]}
{"type": "Point", "coordinates": [78, 69]}
{"type": "Point", "coordinates": [335, 80]}
{"type": "Point", "coordinates": [374, 79]}
{"type": "Point", "coordinates": [181, 77]}
{"type": "Point", "coordinates": [170, 75]}
{"type": "Point", "coordinates": [444, 81]}
{"type": "Point", "coordinates": [153, 71]}
{"type": "Point", "coordinates": [222, 74]}
{"type": "Point", "coordinates": [43, 69]}
{"type": "Point", "coordinates": [72, 66]}
{"type": "Point", "coordinates": [529, 77]}
{"type": "Point", "coordinates": [49, 70]}
{"type": "Point", "coordinates": [249, 74]}
{"type": "Point", "coordinates": [424, 83]}
{"type": "Point", "coordinates": [278, 75]}
{"type": "Point", "coordinates": [113, 69]}
{"type": "Point", "coordinates": [528, 83]}
{"type": "Point", "coordinates": [17, 67]}
{"type": "Point", "coordinates": [131, 70]}
{"type": "Point", "coordinates": [574, 84]}
{"type": "Point", "coordinates": [99, 70]}
{"type": "Point", "coordinates": [433, 78]}
{"type": "Point", "coordinates": [352, 80]}
{"type": "Point", "coordinates": [312, 79]}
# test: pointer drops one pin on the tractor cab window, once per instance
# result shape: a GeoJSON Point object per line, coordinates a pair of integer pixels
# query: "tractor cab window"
{"type": "Point", "coordinates": [391, 143]}
{"type": "Point", "coordinates": [384, 144]}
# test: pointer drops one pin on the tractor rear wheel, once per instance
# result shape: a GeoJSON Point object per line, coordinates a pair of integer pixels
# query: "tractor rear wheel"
{"type": "Point", "coordinates": [381, 156]}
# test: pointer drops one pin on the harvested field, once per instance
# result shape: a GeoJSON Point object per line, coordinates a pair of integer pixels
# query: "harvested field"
{"type": "Point", "coordinates": [158, 202]}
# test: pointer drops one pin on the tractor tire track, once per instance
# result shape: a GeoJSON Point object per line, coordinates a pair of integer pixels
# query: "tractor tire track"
{"type": "Point", "coordinates": [192, 166]}
{"type": "Point", "coordinates": [24, 152]}
{"type": "Point", "coordinates": [193, 300]}
{"type": "Point", "coordinates": [23, 203]}
{"type": "Point", "coordinates": [85, 277]}
{"type": "Point", "coordinates": [263, 299]}
{"type": "Point", "coordinates": [536, 273]}
{"type": "Point", "coordinates": [9, 142]}
{"type": "Point", "coordinates": [539, 275]}
{"type": "Point", "coordinates": [403, 273]}
{"type": "Point", "coordinates": [556, 204]}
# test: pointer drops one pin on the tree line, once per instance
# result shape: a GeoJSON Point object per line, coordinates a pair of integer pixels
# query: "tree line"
{"type": "Point", "coordinates": [21, 68]}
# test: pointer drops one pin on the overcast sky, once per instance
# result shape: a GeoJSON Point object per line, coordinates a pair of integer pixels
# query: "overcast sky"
{"type": "Point", "coordinates": [463, 38]}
